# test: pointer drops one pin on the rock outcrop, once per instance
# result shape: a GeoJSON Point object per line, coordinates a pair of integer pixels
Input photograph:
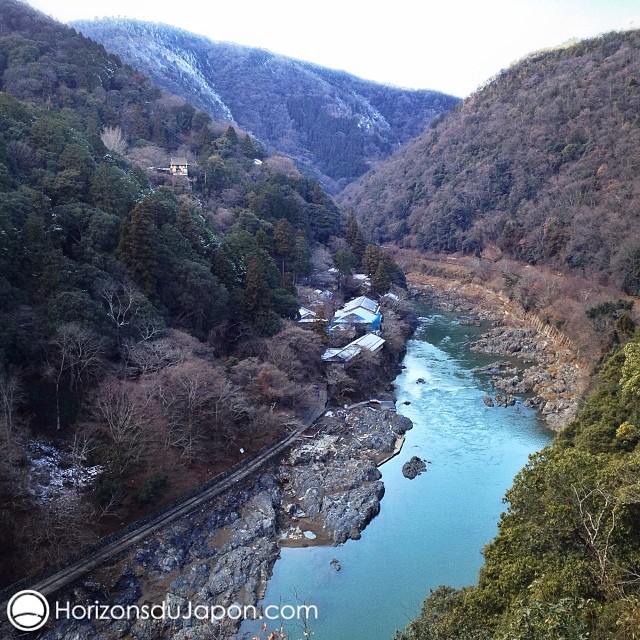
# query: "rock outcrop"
{"type": "Point", "coordinates": [332, 483]}
{"type": "Point", "coordinates": [413, 467]}
{"type": "Point", "coordinates": [545, 371]}
{"type": "Point", "coordinates": [220, 555]}
{"type": "Point", "coordinates": [223, 554]}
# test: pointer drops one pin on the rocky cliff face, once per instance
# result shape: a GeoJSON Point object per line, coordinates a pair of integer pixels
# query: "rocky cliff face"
{"type": "Point", "coordinates": [333, 124]}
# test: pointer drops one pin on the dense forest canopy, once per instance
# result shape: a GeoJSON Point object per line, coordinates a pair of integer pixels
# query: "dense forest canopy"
{"type": "Point", "coordinates": [541, 163]}
{"type": "Point", "coordinates": [146, 319]}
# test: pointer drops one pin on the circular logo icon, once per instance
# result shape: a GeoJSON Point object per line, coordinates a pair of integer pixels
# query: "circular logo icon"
{"type": "Point", "coordinates": [28, 610]}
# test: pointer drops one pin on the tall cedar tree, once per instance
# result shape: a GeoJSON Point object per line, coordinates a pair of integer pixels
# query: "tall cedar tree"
{"type": "Point", "coordinates": [138, 246]}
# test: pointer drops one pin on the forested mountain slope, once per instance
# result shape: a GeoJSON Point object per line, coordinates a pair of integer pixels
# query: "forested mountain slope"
{"type": "Point", "coordinates": [146, 334]}
{"type": "Point", "coordinates": [333, 124]}
{"type": "Point", "coordinates": [542, 162]}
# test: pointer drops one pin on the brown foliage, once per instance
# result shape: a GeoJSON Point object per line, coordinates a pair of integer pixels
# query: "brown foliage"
{"type": "Point", "coordinates": [201, 405]}
{"type": "Point", "coordinates": [123, 414]}
{"type": "Point", "coordinates": [542, 161]}
{"type": "Point", "coordinates": [296, 351]}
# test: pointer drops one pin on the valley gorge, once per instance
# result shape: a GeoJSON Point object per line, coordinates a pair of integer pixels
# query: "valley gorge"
{"type": "Point", "coordinates": [208, 249]}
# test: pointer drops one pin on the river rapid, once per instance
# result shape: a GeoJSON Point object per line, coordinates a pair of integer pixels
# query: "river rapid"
{"type": "Point", "coordinates": [430, 530]}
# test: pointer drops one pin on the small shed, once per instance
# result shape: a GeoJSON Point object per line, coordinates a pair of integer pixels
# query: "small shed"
{"type": "Point", "coordinates": [370, 341]}
{"type": "Point", "coordinates": [179, 167]}
{"type": "Point", "coordinates": [307, 315]}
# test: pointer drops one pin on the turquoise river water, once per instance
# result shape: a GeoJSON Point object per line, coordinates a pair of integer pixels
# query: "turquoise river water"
{"type": "Point", "coordinates": [430, 530]}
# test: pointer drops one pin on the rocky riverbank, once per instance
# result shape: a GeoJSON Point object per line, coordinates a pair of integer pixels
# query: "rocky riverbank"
{"type": "Point", "coordinates": [331, 483]}
{"type": "Point", "coordinates": [324, 491]}
{"type": "Point", "coordinates": [549, 374]}
{"type": "Point", "coordinates": [541, 363]}
{"type": "Point", "coordinates": [328, 486]}
{"type": "Point", "coordinates": [221, 554]}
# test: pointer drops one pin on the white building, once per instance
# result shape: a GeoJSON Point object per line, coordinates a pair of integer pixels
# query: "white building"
{"type": "Point", "coordinates": [369, 342]}
{"type": "Point", "coordinates": [361, 311]}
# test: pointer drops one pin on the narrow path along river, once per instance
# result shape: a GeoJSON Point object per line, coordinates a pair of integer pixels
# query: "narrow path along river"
{"type": "Point", "coordinates": [430, 530]}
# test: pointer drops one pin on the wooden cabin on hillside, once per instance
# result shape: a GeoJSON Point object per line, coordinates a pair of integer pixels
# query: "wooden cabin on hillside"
{"type": "Point", "coordinates": [179, 167]}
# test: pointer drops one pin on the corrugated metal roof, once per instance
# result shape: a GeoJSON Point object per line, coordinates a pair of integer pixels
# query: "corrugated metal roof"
{"type": "Point", "coordinates": [370, 341]}
{"type": "Point", "coordinates": [363, 302]}
{"type": "Point", "coordinates": [356, 316]}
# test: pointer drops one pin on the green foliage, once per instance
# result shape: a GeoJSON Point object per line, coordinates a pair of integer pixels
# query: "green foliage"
{"type": "Point", "coordinates": [339, 141]}
{"type": "Point", "coordinates": [108, 490]}
{"type": "Point", "coordinates": [151, 489]}
{"type": "Point", "coordinates": [567, 555]}
{"type": "Point", "coordinates": [605, 314]}
{"type": "Point", "coordinates": [85, 238]}
{"type": "Point", "coordinates": [628, 434]}
{"type": "Point", "coordinates": [630, 375]}
{"type": "Point", "coordinates": [119, 291]}
{"type": "Point", "coordinates": [631, 281]}
{"type": "Point", "coordinates": [345, 261]}
{"type": "Point", "coordinates": [138, 248]}
{"type": "Point", "coordinates": [354, 237]}
{"type": "Point", "coordinates": [381, 279]}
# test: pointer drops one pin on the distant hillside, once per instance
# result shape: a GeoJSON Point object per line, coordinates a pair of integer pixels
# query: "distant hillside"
{"type": "Point", "coordinates": [542, 162]}
{"type": "Point", "coordinates": [333, 124]}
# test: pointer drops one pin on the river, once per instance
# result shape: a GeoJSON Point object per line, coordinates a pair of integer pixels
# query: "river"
{"type": "Point", "coordinates": [430, 530]}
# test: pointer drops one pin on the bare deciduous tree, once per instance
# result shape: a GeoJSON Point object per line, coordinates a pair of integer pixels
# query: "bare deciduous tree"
{"type": "Point", "coordinates": [597, 516]}
{"type": "Point", "coordinates": [127, 308]}
{"type": "Point", "coordinates": [191, 394]}
{"type": "Point", "coordinates": [81, 449]}
{"type": "Point", "coordinates": [295, 351]}
{"type": "Point", "coordinates": [120, 300]}
{"type": "Point", "coordinates": [59, 531]}
{"type": "Point", "coordinates": [11, 396]}
{"type": "Point", "coordinates": [203, 408]}
{"type": "Point", "coordinates": [74, 352]}
{"type": "Point", "coordinates": [124, 412]}
{"type": "Point", "coordinates": [147, 357]}
{"type": "Point", "coordinates": [113, 139]}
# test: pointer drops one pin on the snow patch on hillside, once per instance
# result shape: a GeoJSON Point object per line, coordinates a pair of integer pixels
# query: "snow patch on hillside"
{"type": "Point", "coordinates": [56, 474]}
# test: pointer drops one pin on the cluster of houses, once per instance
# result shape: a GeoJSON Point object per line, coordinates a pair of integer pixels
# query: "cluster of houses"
{"type": "Point", "coordinates": [359, 317]}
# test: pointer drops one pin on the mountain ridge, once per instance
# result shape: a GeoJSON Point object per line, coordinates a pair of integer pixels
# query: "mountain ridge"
{"type": "Point", "coordinates": [541, 164]}
{"type": "Point", "coordinates": [332, 123]}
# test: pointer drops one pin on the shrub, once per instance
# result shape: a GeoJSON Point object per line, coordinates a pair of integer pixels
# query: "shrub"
{"type": "Point", "coordinates": [150, 490]}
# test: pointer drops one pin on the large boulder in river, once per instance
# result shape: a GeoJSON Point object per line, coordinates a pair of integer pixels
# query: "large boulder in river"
{"type": "Point", "coordinates": [505, 401]}
{"type": "Point", "coordinates": [413, 468]}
